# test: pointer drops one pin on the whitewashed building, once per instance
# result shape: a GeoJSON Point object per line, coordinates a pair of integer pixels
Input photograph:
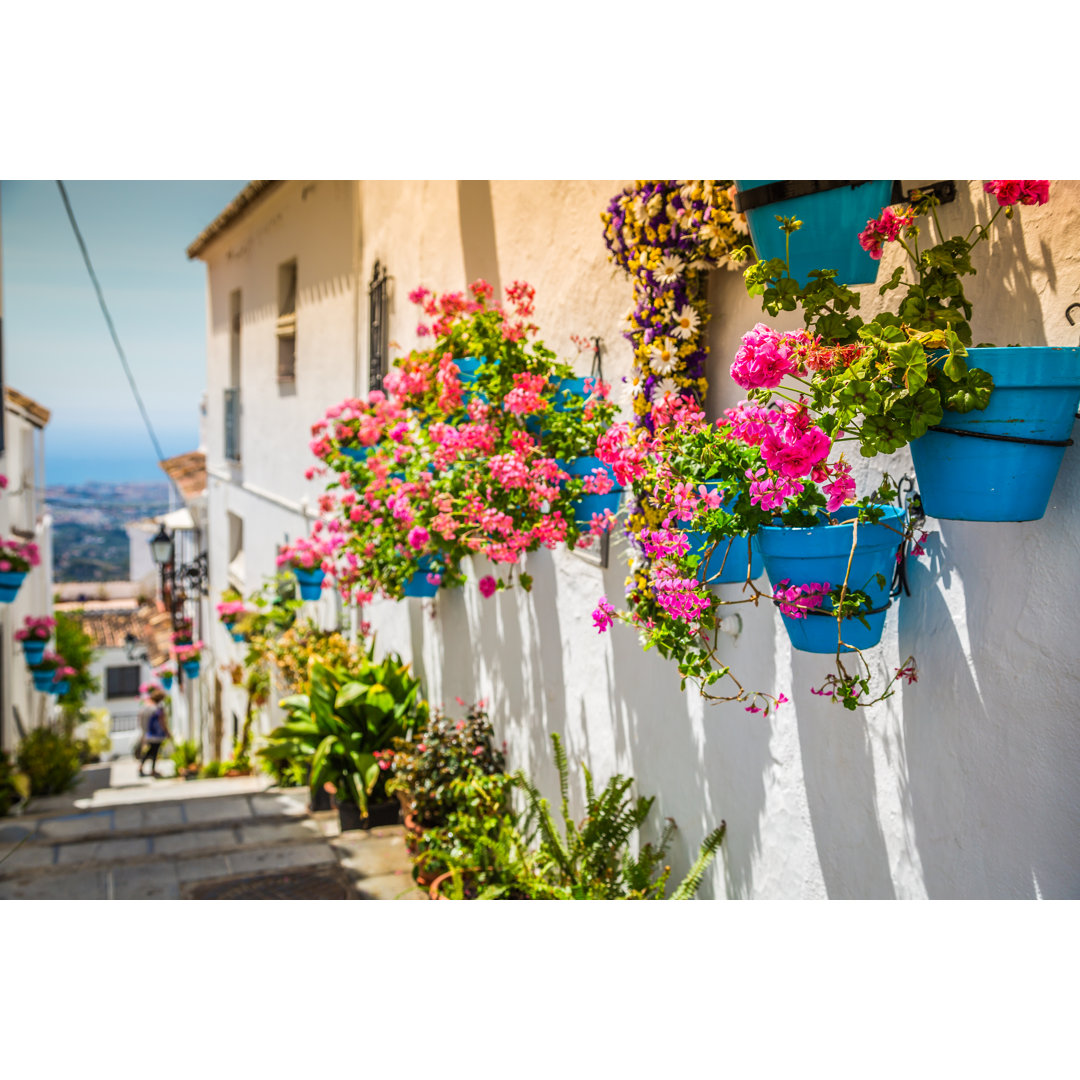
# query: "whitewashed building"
{"type": "Point", "coordinates": [965, 784]}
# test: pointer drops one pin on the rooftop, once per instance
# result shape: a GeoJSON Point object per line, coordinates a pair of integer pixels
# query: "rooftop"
{"type": "Point", "coordinates": [108, 625]}
{"type": "Point", "coordinates": [38, 414]}
{"type": "Point", "coordinates": [232, 213]}
{"type": "Point", "coordinates": [188, 472]}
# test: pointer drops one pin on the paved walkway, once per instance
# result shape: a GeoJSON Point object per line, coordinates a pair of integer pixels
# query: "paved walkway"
{"type": "Point", "coordinates": [121, 837]}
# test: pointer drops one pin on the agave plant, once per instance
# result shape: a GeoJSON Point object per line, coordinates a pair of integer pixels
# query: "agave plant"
{"type": "Point", "coordinates": [344, 720]}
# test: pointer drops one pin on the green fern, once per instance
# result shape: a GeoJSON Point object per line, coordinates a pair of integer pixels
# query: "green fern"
{"type": "Point", "coordinates": [690, 884]}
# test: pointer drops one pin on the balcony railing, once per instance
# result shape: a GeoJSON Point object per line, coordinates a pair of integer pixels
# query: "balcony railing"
{"type": "Point", "coordinates": [232, 424]}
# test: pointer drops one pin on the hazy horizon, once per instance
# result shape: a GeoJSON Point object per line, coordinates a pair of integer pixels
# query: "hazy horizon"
{"type": "Point", "coordinates": [57, 348]}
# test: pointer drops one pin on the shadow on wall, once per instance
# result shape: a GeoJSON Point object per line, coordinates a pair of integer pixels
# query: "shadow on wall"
{"type": "Point", "coordinates": [477, 219]}
{"type": "Point", "coordinates": [992, 782]}
{"type": "Point", "coordinates": [838, 773]}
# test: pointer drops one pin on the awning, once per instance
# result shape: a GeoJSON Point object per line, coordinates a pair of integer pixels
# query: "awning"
{"type": "Point", "coordinates": [176, 519]}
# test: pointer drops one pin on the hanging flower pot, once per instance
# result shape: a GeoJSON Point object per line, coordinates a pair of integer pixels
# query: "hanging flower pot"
{"type": "Point", "coordinates": [43, 679]}
{"type": "Point", "coordinates": [468, 376]}
{"type": "Point", "coordinates": [236, 635]}
{"type": "Point", "coordinates": [590, 504]}
{"type": "Point", "coordinates": [33, 651]}
{"type": "Point", "coordinates": [727, 564]}
{"type": "Point", "coordinates": [819, 555]}
{"type": "Point", "coordinates": [59, 689]}
{"type": "Point", "coordinates": [10, 583]}
{"type": "Point", "coordinates": [167, 680]}
{"type": "Point", "coordinates": [832, 212]}
{"type": "Point", "coordinates": [191, 668]}
{"type": "Point", "coordinates": [418, 585]}
{"type": "Point", "coordinates": [357, 453]}
{"type": "Point", "coordinates": [1000, 463]}
{"type": "Point", "coordinates": [310, 582]}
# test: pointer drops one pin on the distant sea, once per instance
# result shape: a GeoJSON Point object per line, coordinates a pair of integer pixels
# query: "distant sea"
{"type": "Point", "coordinates": [109, 457]}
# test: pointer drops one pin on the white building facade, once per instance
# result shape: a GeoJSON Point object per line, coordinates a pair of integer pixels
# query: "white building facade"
{"type": "Point", "coordinates": [965, 784]}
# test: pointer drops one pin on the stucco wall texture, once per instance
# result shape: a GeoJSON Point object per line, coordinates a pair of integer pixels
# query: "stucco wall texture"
{"type": "Point", "coordinates": [963, 785]}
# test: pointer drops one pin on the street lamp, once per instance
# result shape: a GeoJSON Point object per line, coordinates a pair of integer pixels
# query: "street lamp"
{"type": "Point", "coordinates": [162, 547]}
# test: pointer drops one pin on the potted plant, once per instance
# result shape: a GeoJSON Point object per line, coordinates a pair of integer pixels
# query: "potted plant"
{"type": "Point", "coordinates": [44, 671]}
{"type": "Point", "coordinates": [340, 724]}
{"type": "Point", "coordinates": [185, 757]}
{"type": "Point", "coordinates": [830, 213]}
{"type": "Point", "coordinates": [453, 472]}
{"type": "Point", "coordinates": [16, 561]}
{"type": "Point", "coordinates": [987, 426]}
{"type": "Point", "coordinates": [34, 636]}
{"type": "Point", "coordinates": [61, 680]}
{"type": "Point", "coordinates": [189, 657]}
{"type": "Point", "coordinates": [308, 560]}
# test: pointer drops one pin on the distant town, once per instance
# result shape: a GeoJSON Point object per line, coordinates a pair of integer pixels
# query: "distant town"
{"type": "Point", "coordinates": [89, 541]}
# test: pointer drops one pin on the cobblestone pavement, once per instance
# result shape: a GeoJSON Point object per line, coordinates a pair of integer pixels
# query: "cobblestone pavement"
{"type": "Point", "coordinates": [121, 837]}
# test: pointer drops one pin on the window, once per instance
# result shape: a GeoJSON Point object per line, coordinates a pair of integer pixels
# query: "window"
{"type": "Point", "coordinates": [232, 389]}
{"type": "Point", "coordinates": [236, 551]}
{"type": "Point", "coordinates": [122, 682]}
{"type": "Point", "coordinates": [286, 322]}
{"type": "Point", "coordinates": [377, 326]}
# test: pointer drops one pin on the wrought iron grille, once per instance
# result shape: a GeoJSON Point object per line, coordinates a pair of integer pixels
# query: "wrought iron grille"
{"type": "Point", "coordinates": [377, 326]}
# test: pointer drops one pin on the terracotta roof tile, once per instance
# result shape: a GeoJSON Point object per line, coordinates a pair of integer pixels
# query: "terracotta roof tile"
{"type": "Point", "coordinates": [188, 472]}
{"type": "Point", "coordinates": [232, 213]}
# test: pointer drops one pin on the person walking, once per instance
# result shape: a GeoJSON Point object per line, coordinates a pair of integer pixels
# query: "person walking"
{"type": "Point", "coordinates": [155, 731]}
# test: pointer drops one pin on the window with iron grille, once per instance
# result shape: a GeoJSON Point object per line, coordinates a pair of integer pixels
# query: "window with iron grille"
{"type": "Point", "coordinates": [286, 322]}
{"type": "Point", "coordinates": [122, 682]}
{"type": "Point", "coordinates": [377, 326]}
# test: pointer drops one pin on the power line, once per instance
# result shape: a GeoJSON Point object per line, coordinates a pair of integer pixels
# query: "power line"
{"type": "Point", "coordinates": [112, 330]}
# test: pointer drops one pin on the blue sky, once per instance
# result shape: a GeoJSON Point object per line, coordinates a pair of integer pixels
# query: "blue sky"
{"type": "Point", "coordinates": [57, 348]}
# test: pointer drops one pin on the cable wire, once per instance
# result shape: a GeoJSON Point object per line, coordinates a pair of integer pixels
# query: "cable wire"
{"type": "Point", "coordinates": [112, 331]}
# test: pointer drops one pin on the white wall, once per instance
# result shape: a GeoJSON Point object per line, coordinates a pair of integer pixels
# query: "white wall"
{"type": "Point", "coordinates": [22, 507]}
{"type": "Point", "coordinates": [965, 784]}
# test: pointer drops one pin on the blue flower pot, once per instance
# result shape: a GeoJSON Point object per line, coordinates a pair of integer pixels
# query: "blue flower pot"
{"type": "Point", "coordinates": [10, 583]}
{"type": "Point", "coordinates": [191, 668]}
{"type": "Point", "coordinates": [563, 387]}
{"type": "Point", "coordinates": [310, 582]}
{"type": "Point", "coordinates": [43, 680]}
{"type": "Point", "coordinates": [357, 453]}
{"type": "Point", "coordinates": [587, 505]}
{"type": "Point", "coordinates": [829, 237]}
{"type": "Point", "coordinates": [468, 374]}
{"type": "Point", "coordinates": [418, 585]}
{"type": "Point", "coordinates": [236, 636]}
{"type": "Point", "coordinates": [59, 689]}
{"type": "Point", "coordinates": [967, 478]}
{"type": "Point", "coordinates": [728, 560]}
{"type": "Point", "coordinates": [34, 651]}
{"type": "Point", "coordinates": [820, 554]}
{"type": "Point", "coordinates": [166, 681]}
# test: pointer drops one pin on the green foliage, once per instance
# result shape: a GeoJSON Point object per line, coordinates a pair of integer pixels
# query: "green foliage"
{"type": "Point", "coordinates": [185, 755]}
{"type": "Point", "coordinates": [213, 769]}
{"type": "Point", "coordinates": [345, 719]}
{"type": "Point", "coordinates": [443, 751]}
{"type": "Point", "coordinates": [77, 648]}
{"type": "Point", "coordinates": [50, 758]}
{"type": "Point", "coordinates": [14, 785]}
{"type": "Point", "coordinates": [492, 852]}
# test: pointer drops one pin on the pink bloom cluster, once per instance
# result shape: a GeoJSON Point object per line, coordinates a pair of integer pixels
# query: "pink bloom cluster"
{"type": "Point", "coordinates": [526, 397]}
{"type": "Point", "coordinates": [679, 597]}
{"type": "Point", "coordinates": [36, 628]}
{"type": "Point", "coordinates": [602, 616]}
{"type": "Point", "coordinates": [884, 229]}
{"type": "Point", "coordinates": [16, 556]}
{"type": "Point", "coordinates": [766, 356]}
{"type": "Point", "coordinates": [191, 651]}
{"type": "Point", "coordinates": [1026, 192]}
{"type": "Point", "coordinates": [625, 454]}
{"type": "Point", "coordinates": [796, 601]}
{"type": "Point", "coordinates": [229, 608]}
{"type": "Point", "coordinates": [664, 543]}
{"type": "Point", "coordinates": [309, 553]}
{"type": "Point", "coordinates": [487, 586]}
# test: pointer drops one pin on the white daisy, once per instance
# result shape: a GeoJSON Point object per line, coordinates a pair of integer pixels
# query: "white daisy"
{"type": "Point", "coordinates": [663, 357]}
{"type": "Point", "coordinates": [663, 388]}
{"type": "Point", "coordinates": [669, 270]}
{"type": "Point", "coordinates": [686, 324]}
